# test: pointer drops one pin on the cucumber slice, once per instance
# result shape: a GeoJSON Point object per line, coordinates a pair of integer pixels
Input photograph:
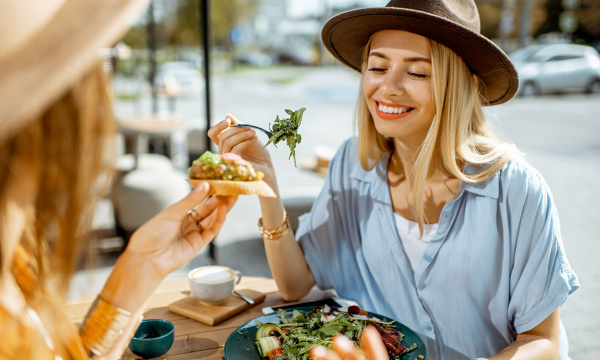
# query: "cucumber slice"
{"type": "Point", "coordinates": [269, 329]}
{"type": "Point", "coordinates": [266, 344]}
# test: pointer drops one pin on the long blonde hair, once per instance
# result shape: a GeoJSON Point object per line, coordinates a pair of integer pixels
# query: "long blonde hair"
{"type": "Point", "coordinates": [459, 132]}
{"type": "Point", "coordinates": [68, 142]}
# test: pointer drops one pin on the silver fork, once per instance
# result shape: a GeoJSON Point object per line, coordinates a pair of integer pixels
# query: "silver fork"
{"type": "Point", "coordinates": [267, 132]}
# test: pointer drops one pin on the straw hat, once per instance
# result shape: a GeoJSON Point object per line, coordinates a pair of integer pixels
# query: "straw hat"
{"type": "Point", "coordinates": [454, 23]}
{"type": "Point", "coordinates": [47, 45]}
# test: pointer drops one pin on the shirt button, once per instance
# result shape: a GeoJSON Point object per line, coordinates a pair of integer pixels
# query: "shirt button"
{"type": "Point", "coordinates": [429, 327]}
{"type": "Point", "coordinates": [427, 257]}
{"type": "Point", "coordinates": [446, 215]}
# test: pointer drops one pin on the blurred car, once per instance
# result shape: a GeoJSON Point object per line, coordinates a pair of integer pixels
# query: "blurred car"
{"type": "Point", "coordinates": [179, 78]}
{"type": "Point", "coordinates": [297, 56]}
{"type": "Point", "coordinates": [557, 68]}
{"type": "Point", "coordinates": [255, 58]}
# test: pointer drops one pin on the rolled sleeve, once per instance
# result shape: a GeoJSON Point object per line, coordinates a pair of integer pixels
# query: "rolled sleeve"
{"type": "Point", "coordinates": [541, 278]}
{"type": "Point", "coordinates": [321, 232]}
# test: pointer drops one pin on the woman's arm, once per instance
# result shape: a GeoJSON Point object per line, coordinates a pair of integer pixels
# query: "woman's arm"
{"type": "Point", "coordinates": [286, 258]}
{"type": "Point", "coordinates": [163, 244]}
{"type": "Point", "coordinates": [160, 246]}
{"type": "Point", "coordinates": [539, 343]}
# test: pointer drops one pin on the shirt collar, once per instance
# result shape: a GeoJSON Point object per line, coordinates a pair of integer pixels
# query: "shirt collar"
{"type": "Point", "coordinates": [378, 178]}
{"type": "Point", "coordinates": [489, 187]}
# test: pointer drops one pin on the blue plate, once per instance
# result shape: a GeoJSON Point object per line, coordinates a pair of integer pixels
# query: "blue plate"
{"type": "Point", "coordinates": [240, 344]}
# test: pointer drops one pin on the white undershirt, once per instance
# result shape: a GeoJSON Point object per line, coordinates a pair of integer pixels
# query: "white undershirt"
{"type": "Point", "coordinates": [414, 245]}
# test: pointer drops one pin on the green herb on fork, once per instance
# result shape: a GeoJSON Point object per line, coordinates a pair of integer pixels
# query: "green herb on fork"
{"type": "Point", "coordinates": [287, 129]}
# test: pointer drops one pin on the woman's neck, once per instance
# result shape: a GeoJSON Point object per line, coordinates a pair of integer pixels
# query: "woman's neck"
{"type": "Point", "coordinates": [439, 187]}
{"type": "Point", "coordinates": [403, 157]}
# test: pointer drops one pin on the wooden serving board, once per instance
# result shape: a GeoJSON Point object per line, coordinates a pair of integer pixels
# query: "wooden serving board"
{"type": "Point", "coordinates": [213, 314]}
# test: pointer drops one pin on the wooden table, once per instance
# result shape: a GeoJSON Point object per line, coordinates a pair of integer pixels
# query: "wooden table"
{"type": "Point", "coordinates": [195, 340]}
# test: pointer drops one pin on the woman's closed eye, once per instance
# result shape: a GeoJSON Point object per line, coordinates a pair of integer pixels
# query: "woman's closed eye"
{"type": "Point", "coordinates": [376, 69]}
{"type": "Point", "coordinates": [418, 75]}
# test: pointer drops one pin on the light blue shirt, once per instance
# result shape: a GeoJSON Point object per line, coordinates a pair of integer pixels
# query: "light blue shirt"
{"type": "Point", "coordinates": [495, 268]}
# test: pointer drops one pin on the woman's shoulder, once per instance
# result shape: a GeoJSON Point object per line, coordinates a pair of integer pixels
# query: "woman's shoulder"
{"type": "Point", "coordinates": [346, 163]}
{"type": "Point", "coordinates": [518, 177]}
{"type": "Point", "coordinates": [519, 171]}
{"type": "Point", "coordinates": [347, 149]}
{"type": "Point", "coordinates": [346, 156]}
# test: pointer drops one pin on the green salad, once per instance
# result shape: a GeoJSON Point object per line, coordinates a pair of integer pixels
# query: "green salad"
{"type": "Point", "coordinates": [294, 336]}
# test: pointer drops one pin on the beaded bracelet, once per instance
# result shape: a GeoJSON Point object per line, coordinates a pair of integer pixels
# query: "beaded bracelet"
{"type": "Point", "coordinates": [275, 233]}
{"type": "Point", "coordinates": [103, 325]}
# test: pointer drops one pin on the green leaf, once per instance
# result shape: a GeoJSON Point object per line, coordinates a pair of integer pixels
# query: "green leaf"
{"type": "Point", "coordinates": [287, 129]}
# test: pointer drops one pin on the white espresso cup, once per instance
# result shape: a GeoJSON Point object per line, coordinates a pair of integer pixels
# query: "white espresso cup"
{"type": "Point", "coordinates": [213, 284]}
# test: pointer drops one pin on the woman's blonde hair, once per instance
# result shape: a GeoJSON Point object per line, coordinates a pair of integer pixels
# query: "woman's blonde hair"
{"type": "Point", "coordinates": [459, 133]}
{"type": "Point", "coordinates": [67, 145]}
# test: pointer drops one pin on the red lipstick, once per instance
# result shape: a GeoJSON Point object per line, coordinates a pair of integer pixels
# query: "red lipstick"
{"type": "Point", "coordinates": [391, 116]}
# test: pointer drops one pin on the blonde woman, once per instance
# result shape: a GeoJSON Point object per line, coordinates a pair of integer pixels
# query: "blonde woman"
{"type": "Point", "coordinates": [55, 130]}
{"type": "Point", "coordinates": [426, 216]}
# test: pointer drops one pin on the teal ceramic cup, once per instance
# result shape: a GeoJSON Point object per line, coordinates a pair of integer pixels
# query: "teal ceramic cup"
{"type": "Point", "coordinates": [153, 338]}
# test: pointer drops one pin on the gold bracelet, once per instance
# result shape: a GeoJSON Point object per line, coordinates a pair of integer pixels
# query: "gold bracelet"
{"type": "Point", "coordinates": [103, 325]}
{"type": "Point", "coordinates": [275, 233]}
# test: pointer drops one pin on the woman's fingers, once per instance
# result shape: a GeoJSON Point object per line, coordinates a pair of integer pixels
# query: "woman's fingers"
{"type": "Point", "coordinates": [372, 348]}
{"type": "Point", "coordinates": [322, 353]}
{"type": "Point", "coordinates": [207, 221]}
{"type": "Point", "coordinates": [215, 131]}
{"type": "Point", "coordinates": [196, 209]}
{"type": "Point", "coordinates": [235, 139]}
{"type": "Point", "coordinates": [371, 342]}
{"type": "Point", "coordinates": [181, 208]}
{"type": "Point", "coordinates": [232, 119]}
{"type": "Point", "coordinates": [211, 224]}
{"type": "Point", "coordinates": [217, 207]}
{"type": "Point", "coordinates": [231, 139]}
{"type": "Point", "coordinates": [347, 350]}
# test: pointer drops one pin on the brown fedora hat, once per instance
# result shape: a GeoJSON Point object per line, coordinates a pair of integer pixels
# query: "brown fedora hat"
{"type": "Point", "coordinates": [453, 23]}
{"type": "Point", "coordinates": [47, 45]}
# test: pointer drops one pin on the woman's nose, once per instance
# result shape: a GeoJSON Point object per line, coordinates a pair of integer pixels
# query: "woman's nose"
{"type": "Point", "coordinates": [393, 83]}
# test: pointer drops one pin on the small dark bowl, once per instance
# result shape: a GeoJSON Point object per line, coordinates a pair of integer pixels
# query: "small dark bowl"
{"type": "Point", "coordinates": [153, 338]}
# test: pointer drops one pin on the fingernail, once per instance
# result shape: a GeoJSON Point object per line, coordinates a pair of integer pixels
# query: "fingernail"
{"type": "Point", "coordinates": [319, 350]}
{"type": "Point", "coordinates": [344, 343]}
{"type": "Point", "coordinates": [201, 187]}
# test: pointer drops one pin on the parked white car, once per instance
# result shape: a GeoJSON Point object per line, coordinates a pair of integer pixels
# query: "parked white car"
{"type": "Point", "coordinates": [557, 68]}
{"type": "Point", "coordinates": [179, 78]}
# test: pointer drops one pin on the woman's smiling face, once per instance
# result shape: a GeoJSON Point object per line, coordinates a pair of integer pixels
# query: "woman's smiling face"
{"type": "Point", "coordinates": [397, 85]}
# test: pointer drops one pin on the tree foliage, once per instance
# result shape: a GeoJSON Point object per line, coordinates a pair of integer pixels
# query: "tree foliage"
{"type": "Point", "coordinates": [180, 25]}
{"type": "Point", "coordinates": [588, 16]}
{"type": "Point", "coordinates": [183, 26]}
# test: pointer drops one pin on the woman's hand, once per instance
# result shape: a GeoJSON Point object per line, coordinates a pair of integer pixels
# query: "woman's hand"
{"type": "Point", "coordinates": [244, 142]}
{"type": "Point", "coordinates": [372, 348]}
{"type": "Point", "coordinates": [163, 244]}
{"type": "Point", "coordinates": [172, 237]}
